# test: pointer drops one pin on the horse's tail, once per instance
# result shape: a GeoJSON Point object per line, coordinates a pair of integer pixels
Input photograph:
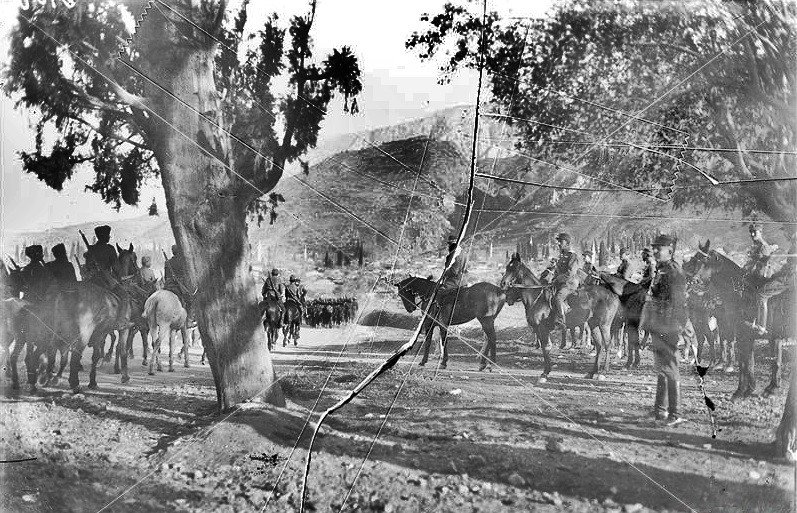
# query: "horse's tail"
{"type": "Point", "coordinates": [150, 304]}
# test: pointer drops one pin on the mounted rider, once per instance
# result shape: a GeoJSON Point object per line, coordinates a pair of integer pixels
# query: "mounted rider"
{"type": "Point", "coordinates": [36, 278]}
{"type": "Point", "coordinates": [757, 266]}
{"type": "Point", "coordinates": [61, 268]}
{"type": "Point", "coordinates": [101, 259]}
{"type": "Point", "coordinates": [453, 275]}
{"type": "Point", "coordinates": [666, 320]}
{"type": "Point", "coordinates": [650, 266]}
{"type": "Point", "coordinates": [174, 278]}
{"type": "Point", "coordinates": [768, 287]}
{"type": "Point", "coordinates": [274, 290]}
{"type": "Point", "coordinates": [295, 292]}
{"type": "Point", "coordinates": [589, 267]}
{"type": "Point", "coordinates": [624, 270]}
{"type": "Point", "coordinates": [565, 280]}
{"type": "Point", "coordinates": [147, 276]}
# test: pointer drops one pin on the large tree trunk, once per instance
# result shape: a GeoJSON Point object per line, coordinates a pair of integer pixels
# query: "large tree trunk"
{"type": "Point", "coordinates": [786, 436]}
{"type": "Point", "coordinates": [207, 212]}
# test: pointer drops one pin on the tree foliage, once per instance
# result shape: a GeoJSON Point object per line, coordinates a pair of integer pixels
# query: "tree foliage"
{"type": "Point", "coordinates": [717, 74]}
{"type": "Point", "coordinates": [63, 64]}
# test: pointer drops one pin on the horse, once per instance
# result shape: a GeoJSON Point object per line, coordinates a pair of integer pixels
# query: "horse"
{"type": "Point", "coordinates": [272, 321]}
{"type": "Point", "coordinates": [291, 323]}
{"type": "Point", "coordinates": [482, 301]}
{"type": "Point", "coordinates": [165, 316]}
{"type": "Point", "coordinates": [130, 280]}
{"type": "Point", "coordinates": [725, 278]}
{"type": "Point", "coordinates": [536, 297]}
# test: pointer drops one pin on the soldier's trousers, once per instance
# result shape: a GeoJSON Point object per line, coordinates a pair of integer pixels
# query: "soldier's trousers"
{"type": "Point", "coordinates": [665, 363]}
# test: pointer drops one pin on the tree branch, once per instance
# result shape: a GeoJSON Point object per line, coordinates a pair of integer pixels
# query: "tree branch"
{"type": "Point", "coordinates": [110, 136]}
{"type": "Point", "coordinates": [667, 45]}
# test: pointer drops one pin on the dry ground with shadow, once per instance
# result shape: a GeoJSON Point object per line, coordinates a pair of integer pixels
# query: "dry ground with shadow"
{"type": "Point", "coordinates": [456, 439]}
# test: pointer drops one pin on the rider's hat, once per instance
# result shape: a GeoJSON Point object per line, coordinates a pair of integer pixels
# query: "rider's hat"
{"type": "Point", "coordinates": [292, 278]}
{"type": "Point", "coordinates": [563, 236]}
{"type": "Point", "coordinates": [103, 231]}
{"type": "Point", "coordinates": [59, 249]}
{"type": "Point", "coordinates": [646, 252]}
{"type": "Point", "coordinates": [754, 227]}
{"type": "Point", "coordinates": [664, 240]}
{"type": "Point", "coordinates": [34, 252]}
{"type": "Point", "coordinates": [275, 272]}
{"type": "Point", "coordinates": [587, 252]}
{"type": "Point", "coordinates": [623, 251]}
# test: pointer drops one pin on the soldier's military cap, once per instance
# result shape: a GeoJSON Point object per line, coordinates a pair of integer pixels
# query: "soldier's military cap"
{"type": "Point", "coordinates": [754, 227]}
{"type": "Point", "coordinates": [646, 252]}
{"type": "Point", "coordinates": [297, 280]}
{"type": "Point", "coordinates": [102, 231]}
{"type": "Point", "coordinates": [587, 252]}
{"type": "Point", "coordinates": [563, 236]}
{"type": "Point", "coordinates": [34, 252]}
{"type": "Point", "coordinates": [292, 278]}
{"type": "Point", "coordinates": [664, 240]}
{"type": "Point", "coordinates": [275, 272]}
{"type": "Point", "coordinates": [623, 251]}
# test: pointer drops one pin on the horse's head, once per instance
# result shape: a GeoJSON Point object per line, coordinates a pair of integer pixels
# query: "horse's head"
{"type": "Point", "coordinates": [127, 263]}
{"type": "Point", "coordinates": [515, 274]}
{"type": "Point", "coordinates": [512, 295]}
{"type": "Point", "coordinates": [703, 265]}
{"type": "Point", "coordinates": [408, 294]}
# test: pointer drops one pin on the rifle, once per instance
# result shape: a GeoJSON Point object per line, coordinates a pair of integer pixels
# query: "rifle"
{"type": "Point", "coordinates": [85, 240]}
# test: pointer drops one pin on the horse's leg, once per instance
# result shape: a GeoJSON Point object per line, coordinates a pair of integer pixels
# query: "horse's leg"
{"type": "Point", "coordinates": [110, 349]}
{"type": "Point", "coordinates": [597, 343]}
{"type": "Point", "coordinates": [153, 343]}
{"type": "Point", "coordinates": [425, 345]}
{"type": "Point", "coordinates": [746, 367]}
{"type": "Point", "coordinates": [74, 366]}
{"type": "Point", "coordinates": [606, 337]}
{"type": "Point", "coordinates": [544, 336]}
{"type": "Point", "coordinates": [13, 359]}
{"type": "Point", "coordinates": [443, 347]}
{"type": "Point", "coordinates": [126, 336]}
{"type": "Point", "coordinates": [633, 346]}
{"type": "Point", "coordinates": [184, 333]}
{"type": "Point", "coordinates": [488, 348]}
{"type": "Point", "coordinates": [65, 355]}
{"type": "Point", "coordinates": [145, 344]}
{"type": "Point", "coordinates": [172, 337]}
{"type": "Point", "coordinates": [776, 347]}
{"type": "Point", "coordinates": [96, 342]}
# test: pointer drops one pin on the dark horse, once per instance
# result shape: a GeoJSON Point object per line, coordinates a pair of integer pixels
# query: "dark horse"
{"type": "Point", "coordinates": [272, 321]}
{"type": "Point", "coordinates": [482, 301]}
{"type": "Point", "coordinates": [723, 276]}
{"type": "Point", "coordinates": [291, 323]}
{"type": "Point", "coordinates": [603, 304]}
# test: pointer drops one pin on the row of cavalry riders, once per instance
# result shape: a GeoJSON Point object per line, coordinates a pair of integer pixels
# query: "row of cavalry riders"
{"type": "Point", "coordinates": [285, 306]}
{"type": "Point", "coordinates": [708, 298]}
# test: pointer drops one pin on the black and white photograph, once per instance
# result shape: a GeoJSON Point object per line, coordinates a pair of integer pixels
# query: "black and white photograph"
{"type": "Point", "coordinates": [419, 256]}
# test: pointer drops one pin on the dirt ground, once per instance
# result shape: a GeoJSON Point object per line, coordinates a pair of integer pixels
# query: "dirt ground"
{"type": "Point", "coordinates": [449, 440]}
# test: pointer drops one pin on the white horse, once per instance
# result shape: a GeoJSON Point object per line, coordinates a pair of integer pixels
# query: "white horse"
{"type": "Point", "coordinates": [165, 315]}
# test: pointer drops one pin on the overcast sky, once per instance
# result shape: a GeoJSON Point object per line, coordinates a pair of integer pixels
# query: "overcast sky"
{"type": "Point", "coordinates": [397, 86]}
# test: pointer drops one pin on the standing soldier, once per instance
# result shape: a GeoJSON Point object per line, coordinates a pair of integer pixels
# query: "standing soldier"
{"type": "Point", "coordinates": [295, 292]}
{"type": "Point", "coordinates": [667, 319]}
{"type": "Point", "coordinates": [624, 270]}
{"type": "Point", "coordinates": [35, 276]}
{"type": "Point", "coordinates": [101, 258]}
{"type": "Point", "coordinates": [61, 268]}
{"type": "Point", "coordinates": [453, 275]}
{"type": "Point", "coordinates": [274, 290]}
{"type": "Point", "coordinates": [565, 279]}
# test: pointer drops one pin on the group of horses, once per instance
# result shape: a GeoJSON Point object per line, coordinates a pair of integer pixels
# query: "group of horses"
{"type": "Point", "coordinates": [329, 312]}
{"type": "Point", "coordinates": [83, 314]}
{"type": "Point", "coordinates": [610, 308]}
{"type": "Point", "coordinates": [323, 312]}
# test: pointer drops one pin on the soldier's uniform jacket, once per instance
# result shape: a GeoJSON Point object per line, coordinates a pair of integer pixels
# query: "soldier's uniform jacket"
{"type": "Point", "coordinates": [668, 298]}
{"type": "Point", "coordinates": [36, 279]}
{"type": "Point", "coordinates": [173, 275]}
{"type": "Point", "coordinates": [452, 276]}
{"type": "Point", "coordinates": [647, 274]}
{"type": "Point", "coordinates": [62, 271]}
{"type": "Point", "coordinates": [624, 270]}
{"type": "Point", "coordinates": [758, 259]}
{"type": "Point", "coordinates": [102, 256]}
{"type": "Point", "coordinates": [295, 293]}
{"type": "Point", "coordinates": [566, 271]}
{"type": "Point", "coordinates": [273, 288]}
